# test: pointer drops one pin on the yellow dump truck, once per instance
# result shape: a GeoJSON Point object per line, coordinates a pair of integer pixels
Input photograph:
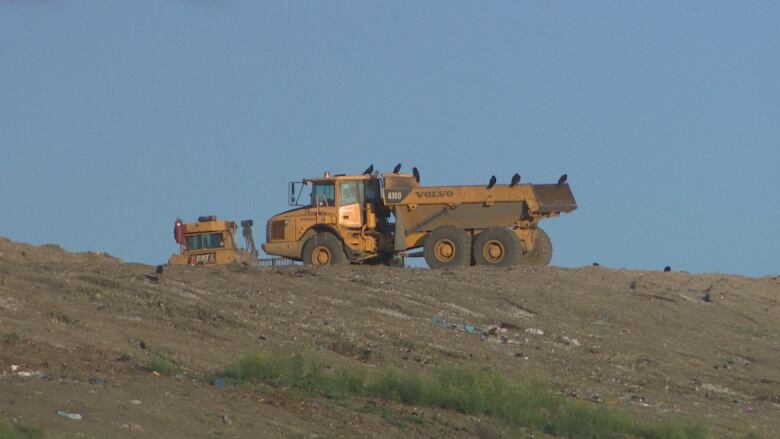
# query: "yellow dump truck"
{"type": "Point", "coordinates": [211, 242]}
{"type": "Point", "coordinates": [372, 219]}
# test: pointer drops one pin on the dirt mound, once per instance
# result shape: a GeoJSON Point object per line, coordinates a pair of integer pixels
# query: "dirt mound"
{"type": "Point", "coordinates": [79, 330]}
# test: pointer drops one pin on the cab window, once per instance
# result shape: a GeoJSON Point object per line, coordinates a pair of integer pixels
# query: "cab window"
{"type": "Point", "coordinates": [323, 194]}
{"type": "Point", "coordinates": [349, 193]}
{"type": "Point", "coordinates": [194, 242]}
{"type": "Point", "coordinates": [214, 240]}
{"type": "Point", "coordinates": [372, 191]}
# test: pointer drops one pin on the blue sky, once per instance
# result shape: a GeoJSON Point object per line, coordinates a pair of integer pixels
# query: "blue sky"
{"type": "Point", "coordinates": [116, 117]}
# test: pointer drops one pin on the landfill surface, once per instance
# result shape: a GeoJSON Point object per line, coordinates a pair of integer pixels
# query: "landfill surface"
{"type": "Point", "coordinates": [77, 331]}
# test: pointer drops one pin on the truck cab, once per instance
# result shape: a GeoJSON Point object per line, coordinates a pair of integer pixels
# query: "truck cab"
{"type": "Point", "coordinates": [347, 209]}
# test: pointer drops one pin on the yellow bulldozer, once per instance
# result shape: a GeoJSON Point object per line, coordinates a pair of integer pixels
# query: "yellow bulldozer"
{"type": "Point", "coordinates": [211, 241]}
{"type": "Point", "coordinates": [372, 218]}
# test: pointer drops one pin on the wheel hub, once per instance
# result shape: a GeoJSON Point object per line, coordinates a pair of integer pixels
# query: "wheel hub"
{"type": "Point", "coordinates": [444, 250]}
{"type": "Point", "coordinates": [493, 251]}
{"type": "Point", "coordinates": [321, 256]}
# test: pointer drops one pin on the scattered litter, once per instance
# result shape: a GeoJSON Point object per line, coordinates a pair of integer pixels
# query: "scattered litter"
{"type": "Point", "coordinates": [439, 321]}
{"type": "Point", "coordinates": [227, 420]}
{"type": "Point", "coordinates": [570, 341]}
{"type": "Point", "coordinates": [468, 328]}
{"type": "Point", "coordinates": [27, 374]}
{"type": "Point", "coordinates": [132, 427]}
{"type": "Point", "coordinates": [219, 382]}
{"type": "Point", "coordinates": [73, 416]}
{"type": "Point", "coordinates": [534, 331]}
{"type": "Point", "coordinates": [14, 367]}
{"type": "Point", "coordinates": [96, 380]}
{"type": "Point", "coordinates": [135, 402]}
{"type": "Point", "coordinates": [749, 409]}
{"type": "Point", "coordinates": [155, 373]}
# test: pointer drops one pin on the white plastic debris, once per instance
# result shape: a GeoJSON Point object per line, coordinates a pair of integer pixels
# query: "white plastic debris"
{"type": "Point", "coordinates": [534, 331]}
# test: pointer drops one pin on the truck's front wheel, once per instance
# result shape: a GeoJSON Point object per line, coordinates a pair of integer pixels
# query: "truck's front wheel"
{"type": "Point", "coordinates": [447, 247]}
{"type": "Point", "coordinates": [324, 249]}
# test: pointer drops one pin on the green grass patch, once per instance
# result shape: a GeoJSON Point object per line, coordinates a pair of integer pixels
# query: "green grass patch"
{"type": "Point", "coordinates": [162, 364]}
{"type": "Point", "coordinates": [10, 337]}
{"type": "Point", "coordinates": [19, 431]}
{"type": "Point", "coordinates": [528, 404]}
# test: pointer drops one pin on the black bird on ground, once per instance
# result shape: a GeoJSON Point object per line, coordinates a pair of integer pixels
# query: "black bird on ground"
{"type": "Point", "coordinates": [667, 269]}
{"type": "Point", "coordinates": [563, 179]}
{"type": "Point", "coordinates": [515, 180]}
{"type": "Point", "coordinates": [369, 170]}
{"type": "Point", "coordinates": [492, 182]}
{"type": "Point", "coordinates": [416, 174]}
{"type": "Point", "coordinates": [142, 345]}
{"type": "Point", "coordinates": [397, 169]}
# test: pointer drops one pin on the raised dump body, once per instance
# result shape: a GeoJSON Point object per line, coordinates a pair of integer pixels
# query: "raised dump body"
{"type": "Point", "coordinates": [369, 219]}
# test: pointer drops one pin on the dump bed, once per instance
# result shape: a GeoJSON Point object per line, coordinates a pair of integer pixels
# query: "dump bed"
{"type": "Point", "coordinates": [540, 198]}
{"type": "Point", "coordinates": [426, 208]}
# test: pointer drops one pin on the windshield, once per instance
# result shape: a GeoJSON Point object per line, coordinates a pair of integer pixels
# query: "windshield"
{"type": "Point", "coordinates": [323, 194]}
{"type": "Point", "coordinates": [210, 240]}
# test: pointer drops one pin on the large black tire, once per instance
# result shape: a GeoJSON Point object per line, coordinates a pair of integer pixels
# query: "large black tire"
{"type": "Point", "coordinates": [447, 247]}
{"type": "Point", "coordinates": [498, 247]}
{"type": "Point", "coordinates": [324, 249]}
{"type": "Point", "coordinates": [541, 255]}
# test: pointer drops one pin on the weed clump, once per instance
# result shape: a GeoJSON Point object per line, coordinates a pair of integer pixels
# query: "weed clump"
{"type": "Point", "coordinates": [528, 404]}
{"type": "Point", "coordinates": [162, 364]}
{"type": "Point", "coordinates": [10, 337]}
{"type": "Point", "coordinates": [19, 431]}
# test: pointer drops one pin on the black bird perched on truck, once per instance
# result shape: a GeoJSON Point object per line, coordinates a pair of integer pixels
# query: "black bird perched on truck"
{"type": "Point", "coordinates": [397, 169]}
{"type": "Point", "coordinates": [515, 180]}
{"type": "Point", "coordinates": [369, 170]}
{"type": "Point", "coordinates": [416, 174]}
{"type": "Point", "coordinates": [563, 179]}
{"type": "Point", "coordinates": [492, 182]}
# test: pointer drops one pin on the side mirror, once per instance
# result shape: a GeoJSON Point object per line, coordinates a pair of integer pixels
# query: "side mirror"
{"type": "Point", "coordinates": [294, 191]}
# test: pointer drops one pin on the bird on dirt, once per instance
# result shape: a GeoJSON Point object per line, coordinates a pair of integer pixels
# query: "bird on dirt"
{"type": "Point", "coordinates": [515, 180]}
{"type": "Point", "coordinates": [563, 179]}
{"type": "Point", "coordinates": [492, 182]}
{"type": "Point", "coordinates": [397, 169]}
{"type": "Point", "coordinates": [369, 170]}
{"type": "Point", "coordinates": [667, 269]}
{"type": "Point", "coordinates": [416, 174]}
{"type": "Point", "coordinates": [159, 270]}
{"type": "Point", "coordinates": [142, 345]}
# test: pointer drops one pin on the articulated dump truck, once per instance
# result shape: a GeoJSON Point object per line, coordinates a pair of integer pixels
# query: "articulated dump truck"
{"type": "Point", "coordinates": [376, 219]}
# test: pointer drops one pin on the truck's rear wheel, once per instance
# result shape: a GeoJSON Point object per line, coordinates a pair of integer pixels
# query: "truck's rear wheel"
{"type": "Point", "coordinates": [447, 247]}
{"type": "Point", "coordinates": [323, 249]}
{"type": "Point", "coordinates": [497, 247]}
{"type": "Point", "coordinates": [542, 251]}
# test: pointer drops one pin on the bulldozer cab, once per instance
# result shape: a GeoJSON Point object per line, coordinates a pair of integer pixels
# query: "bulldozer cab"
{"type": "Point", "coordinates": [207, 242]}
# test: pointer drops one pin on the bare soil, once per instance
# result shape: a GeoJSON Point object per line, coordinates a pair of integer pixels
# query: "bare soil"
{"type": "Point", "coordinates": [72, 327]}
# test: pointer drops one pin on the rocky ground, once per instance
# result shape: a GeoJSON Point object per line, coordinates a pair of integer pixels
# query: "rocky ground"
{"type": "Point", "coordinates": [77, 330]}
